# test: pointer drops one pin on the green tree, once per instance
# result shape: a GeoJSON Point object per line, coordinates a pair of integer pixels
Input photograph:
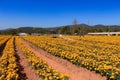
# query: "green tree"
{"type": "Point", "coordinates": [13, 32]}
{"type": "Point", "coordinates": [65, 30]}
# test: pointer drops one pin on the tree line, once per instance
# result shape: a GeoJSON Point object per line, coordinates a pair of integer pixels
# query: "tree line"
{"type": "Point", "coordinates": [81, 29]}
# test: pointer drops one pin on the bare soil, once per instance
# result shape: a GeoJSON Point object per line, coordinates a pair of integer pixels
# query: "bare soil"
{"type": "Point", "coordinates": [25, 71]}
{"type": "Point", "coordinates": [64, 66]}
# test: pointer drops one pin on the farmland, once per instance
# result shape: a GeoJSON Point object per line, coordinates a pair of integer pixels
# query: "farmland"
{"type": "Point", "coordinates": [62, 58]}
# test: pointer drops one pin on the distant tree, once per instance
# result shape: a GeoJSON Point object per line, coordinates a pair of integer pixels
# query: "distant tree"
{"type": "Point", "coordinates": [65, 30]}
{"type": "Point", "coordinates": [29, 33]}
{"type": "Point", "coordinates": [75, 23]}
{"type": "Point", "coordinates": [77, 30]}
{"type": "Point", "coordinates": [99, 30]}
{"type": "Point", "coordinates": [107, 29]}
{"type": "Point", "coordinates": [13, 32]}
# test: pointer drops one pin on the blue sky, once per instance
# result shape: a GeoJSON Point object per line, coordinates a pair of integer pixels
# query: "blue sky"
{"type": "Point", "coordinates": [51, 13]}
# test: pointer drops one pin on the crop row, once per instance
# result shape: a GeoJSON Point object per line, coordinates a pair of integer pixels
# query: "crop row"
{"type": "Point", "coordinates": [42, 69]}
{"type": "Point", "coordinates": [100, 57]}
{"type": "Point", "coordinates": [8, 66]}
{"type": "Point", "coordinates": [99, 39]}
{"type": "Point", "coordinates": [3, 39]}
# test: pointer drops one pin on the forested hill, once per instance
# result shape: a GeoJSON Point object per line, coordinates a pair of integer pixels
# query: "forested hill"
{"type": "Point", "coordinates": [68, 29]}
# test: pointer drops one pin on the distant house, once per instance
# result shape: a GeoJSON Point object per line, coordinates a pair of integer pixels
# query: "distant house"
{"type": "Point", "coordinates": [106, 33]}
{"type": "Point", "coordinates": [23, 34]}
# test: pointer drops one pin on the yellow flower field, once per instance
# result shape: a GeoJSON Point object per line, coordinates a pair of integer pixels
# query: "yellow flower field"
{"type": "Point", "coordinates": [3, 39]}
{"type": "Point", "coordinates": [8, 67]}
{"type": "Point", "coordinates": [42, 69]}
{"type": "Point", "coordinates": [96, 53]}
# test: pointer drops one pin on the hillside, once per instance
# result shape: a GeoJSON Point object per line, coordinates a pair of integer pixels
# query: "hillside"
{"type": "Point", "coordinates": [67, 29]}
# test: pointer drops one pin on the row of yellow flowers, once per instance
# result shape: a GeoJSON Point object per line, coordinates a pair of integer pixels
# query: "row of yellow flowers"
{"type": "Point", "coordinates": [8, 67]}
{"type": "Point", "coordinates": [42, 69]}
{"type": "Point", "coordinates": [99, 39]}
{"type": "Point", "coordinates": [95, 55]}
{"type": "Point", "coordinates": [3, 39]}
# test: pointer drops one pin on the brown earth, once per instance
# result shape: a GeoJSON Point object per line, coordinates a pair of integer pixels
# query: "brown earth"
{"type": "Point", "coordinates": [64, 66]}
{"type": "Point", "coordinates": [25, 71]}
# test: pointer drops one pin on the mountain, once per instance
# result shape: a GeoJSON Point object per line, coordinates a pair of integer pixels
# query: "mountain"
{"type": "Point", "coordinates": [31, 29]}
{"type": "Point", "coordinates": [64, 29]}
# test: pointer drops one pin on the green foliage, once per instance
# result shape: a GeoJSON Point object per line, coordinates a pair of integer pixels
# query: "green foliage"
{"type": "Point", "coordinates": [79, 29]}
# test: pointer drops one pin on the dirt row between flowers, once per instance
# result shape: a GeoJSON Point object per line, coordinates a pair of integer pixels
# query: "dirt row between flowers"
{"type": "Point", "coordinates": [25, 70]}
{"type": "Point", "coordinates": [64, 66]}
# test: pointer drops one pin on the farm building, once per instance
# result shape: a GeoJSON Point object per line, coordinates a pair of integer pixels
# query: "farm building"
{"type": "Point", "coordinates": [23, 34]}
{"type": "Point", "coordinates": [106, 33]}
